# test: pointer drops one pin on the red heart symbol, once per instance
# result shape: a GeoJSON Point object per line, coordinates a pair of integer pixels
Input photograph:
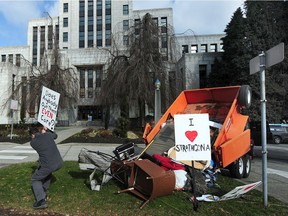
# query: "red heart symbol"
{"type": "Point", "coordinates": [191, 135]}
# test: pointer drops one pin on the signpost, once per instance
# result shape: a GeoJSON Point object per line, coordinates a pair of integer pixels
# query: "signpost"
{"type": "Point", "coordinates": [260, 63]}
{"type": "Point", "coordinates": [48, 108]}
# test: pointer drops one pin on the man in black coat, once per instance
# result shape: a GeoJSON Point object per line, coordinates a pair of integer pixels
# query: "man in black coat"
{"type": "Point", "coordinates": [50, 160]}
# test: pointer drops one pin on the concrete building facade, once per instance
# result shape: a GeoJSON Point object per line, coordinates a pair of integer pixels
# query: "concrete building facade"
{"type": "Point", "coordinates": [84, 32]}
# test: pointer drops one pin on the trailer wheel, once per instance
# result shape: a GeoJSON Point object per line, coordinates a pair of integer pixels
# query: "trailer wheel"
{"type": "Point", "coordinates": [237, 168]}
{"type": "Point", "coordinates": [277, 139]}
{"type": "Point", "coordinates": [245, 96]}
{"type": "Point", "coordinates": [247, 163]}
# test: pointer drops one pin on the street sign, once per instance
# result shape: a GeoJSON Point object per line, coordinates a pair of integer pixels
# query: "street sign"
{"type": "Point", "coordinates": [272, 57]}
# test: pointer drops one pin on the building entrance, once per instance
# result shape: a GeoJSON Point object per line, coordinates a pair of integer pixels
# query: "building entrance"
{"type": "Point", "coordinates": [94, 111]}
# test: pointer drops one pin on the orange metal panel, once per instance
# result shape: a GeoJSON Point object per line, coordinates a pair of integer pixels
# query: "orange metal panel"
{"type": "Point", "coordinates": [222, 106]}
{"type": "Point", "coordinates": [178, 106]}
{"type": "Point", "coordinates": [235, 148]}
{"type": "Point", "coordinates": [206, 95]}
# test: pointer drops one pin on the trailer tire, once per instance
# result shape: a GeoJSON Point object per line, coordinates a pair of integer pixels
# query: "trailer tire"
{"type": "Point", "coordinates": [277, 139]}
{"type": "Point", "coordinates": [237, 168]}
{"type": "Point", "coordinates": [245, 96]}
{"type": "Point", "coordinates": [247, 166]}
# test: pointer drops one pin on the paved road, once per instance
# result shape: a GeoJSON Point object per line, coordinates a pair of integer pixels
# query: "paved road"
{"type": "Point", "coordinates": [277, 169]}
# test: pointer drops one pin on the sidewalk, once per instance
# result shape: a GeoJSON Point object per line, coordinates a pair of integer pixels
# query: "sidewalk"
{"type": "Point", "coordinates": [70, 151]}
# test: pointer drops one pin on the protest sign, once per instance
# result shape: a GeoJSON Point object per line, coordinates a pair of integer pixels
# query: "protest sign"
{"type": "Point", "coordinates": [192, 137]}
{"type": "Point", "coordinates": [48, 108]}
{"type": "Point", "coordinates": [233, 194]}
{"type": "Point", "coordinates": [239, 191]}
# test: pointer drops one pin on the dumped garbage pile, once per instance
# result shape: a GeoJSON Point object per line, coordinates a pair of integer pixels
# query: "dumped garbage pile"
{"type": "Point", "coordinates": [215, 136]}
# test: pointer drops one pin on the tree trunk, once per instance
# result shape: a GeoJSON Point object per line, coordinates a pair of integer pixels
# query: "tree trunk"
{"type": "Point", "coordinates": [107, 117]}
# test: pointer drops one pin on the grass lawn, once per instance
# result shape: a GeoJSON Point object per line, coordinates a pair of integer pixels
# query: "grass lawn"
{"type": "Point", "coordinates": [70, 195]}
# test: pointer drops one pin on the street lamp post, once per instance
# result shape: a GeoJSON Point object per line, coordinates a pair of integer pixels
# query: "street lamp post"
{"type": "Point", "coordinates": [157, 114]}
{"type": "Point", "coordinates": [12, 100]}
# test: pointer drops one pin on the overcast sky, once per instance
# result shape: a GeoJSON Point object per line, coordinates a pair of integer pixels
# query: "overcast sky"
{"type": "Point", "coordinates": [200, 16]}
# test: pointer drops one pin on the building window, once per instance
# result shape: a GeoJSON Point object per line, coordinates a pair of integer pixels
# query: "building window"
{"type": "Point", "coordinates": [90, 39]}
{"type": "Point", "coordinates": [90, 83]}
{"type": "Point", "coordinates": [50, 37]}
{"type": "Point", "coordinates": [56, 42]}
{"type": "Point", "coordinates": [163, 24]}
{"type": "Point", "coordinates": [126, 40]}
{"type": "Point", "coordinates": [125, 25]}
{"type": "Point", "coordinates": [3, 58]}
{"type": "Point", "coordinates": [65, 7]}
{"type": "Point", "coordinates": [184, 48]}
{"type": "Point", "coordinates": [65, 22]}
{"type": "Point", "coordinates": [125, 9]}
{"type": "Point", "coordinates": [42, 40]}
{"type": "Point", "coordinates": [194, 48]}
{"type": "Point", "coordinates": [221, 47]}
{"type": "Point", "coordinates": [99, 38]}
{"type": "Point", "coordinates": [203, 48]}
{"type": "Point", "coordinates": [99, 8]}
{"type": "Point", "coordinates": [82, 83]}
{"type": "Point", "coordinates": [18, 60]}
{"type": "Point", "coordinates": [98, 77]}
{"type": "Point", "coordinates": [90, 8]}
{"type": "Point", "coordinates": [203, 75]}
{"type": "Point", "coordinates": [65, 36]}
{"type": "Point", "coordinates": [108, 26]}
{"type": "Point", "coordinates": [90, 23]}
{"type": "Point", "coordinates": [34, 49]}
{"type": "Point", "coordinates": [108, 7]}
{"type": "Point", "coordinates": [213, 47]}
{"type": "Point", "coordinates": [137, 23]}
{"type": "Point", "coordinates": [10, 58]}
{"type": "Point", "coordinates": [164, 42]}
{"type": "Point", "coordinates": [155, 20]}
{"type": "Point", "coordinates": [164, 55]}
{"type": "Point", "coordinates": [108, 23]}
{"type": "Point", "coordinates": [108, 37]}
{"type": "Point", "coordinates": [81, 24]}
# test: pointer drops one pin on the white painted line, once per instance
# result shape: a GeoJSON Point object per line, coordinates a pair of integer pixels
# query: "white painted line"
{"type": "Point", "coordinates": [23, 147]}
{"type": "Point", "coordinates": [277, 172]}
{"type": "Point", "coordinates": [11, 157]}
{"type": "Point", "coordinates": [19, 151]}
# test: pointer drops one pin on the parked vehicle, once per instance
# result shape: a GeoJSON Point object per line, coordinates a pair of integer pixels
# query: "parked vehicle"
{"type": "Point", "coordinates": [280, 132]}
{"type": "Point", "coordinates": [255, 127]}
{"type": "Point", "coordinates": [231, 144]}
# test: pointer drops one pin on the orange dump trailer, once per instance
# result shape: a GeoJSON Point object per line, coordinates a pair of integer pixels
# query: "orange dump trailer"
{"type": "Point", "coordinates": [230, 134]}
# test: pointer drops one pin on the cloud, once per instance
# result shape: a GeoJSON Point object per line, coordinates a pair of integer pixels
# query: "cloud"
{"type": "Point", "coordinates": [19, 12]}
{"type": "Point", "coordinates": [52, 7]}
{"type": "Point", "coordinates": [15, 15]}
{"type": "Point", "coordinates": [202, 17]}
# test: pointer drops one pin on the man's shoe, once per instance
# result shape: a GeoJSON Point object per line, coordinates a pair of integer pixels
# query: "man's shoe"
{"type": "Point", "coordinates": [41, 204]}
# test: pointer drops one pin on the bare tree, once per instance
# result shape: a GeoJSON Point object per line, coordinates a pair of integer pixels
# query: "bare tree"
{"type": "Point", "coordinates": [131, 73]}
{"type": "Point", "coordinates": [52, 74]}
